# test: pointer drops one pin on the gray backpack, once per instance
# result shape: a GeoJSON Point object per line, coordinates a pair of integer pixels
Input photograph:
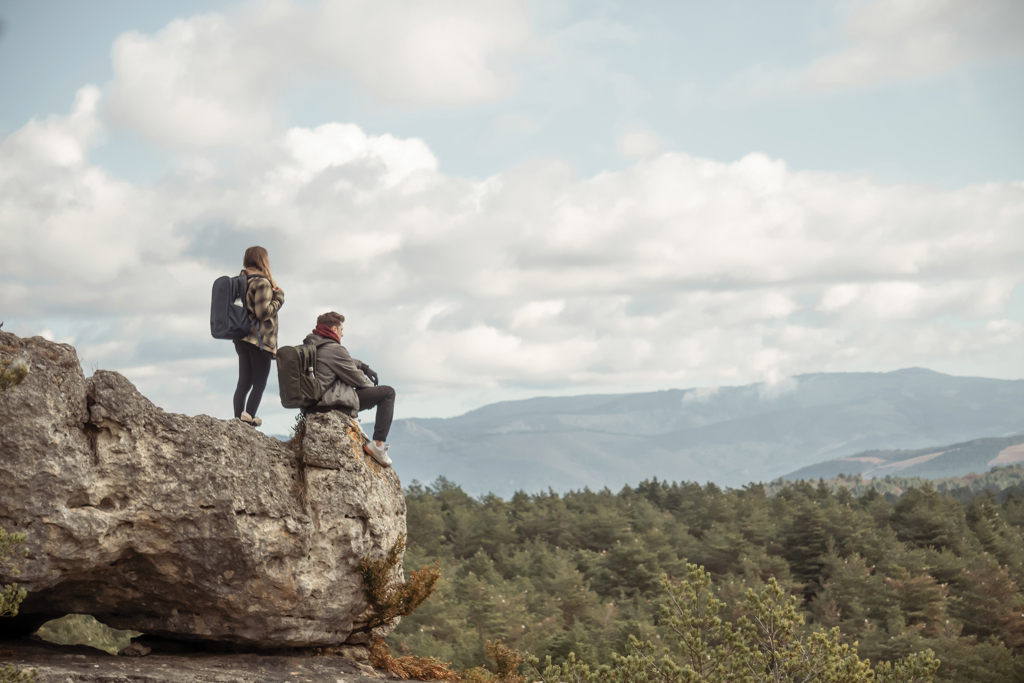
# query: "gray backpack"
{"type": "Point", "coordinates": [296, 376]}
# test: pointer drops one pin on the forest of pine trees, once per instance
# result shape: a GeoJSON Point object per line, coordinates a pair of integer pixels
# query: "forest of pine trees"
{"type": "Point", "coordinates": [899, 568]}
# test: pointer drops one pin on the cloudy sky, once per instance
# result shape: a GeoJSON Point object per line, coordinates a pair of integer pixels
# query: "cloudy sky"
{"type": "Point", "coordinates": [515, 198]}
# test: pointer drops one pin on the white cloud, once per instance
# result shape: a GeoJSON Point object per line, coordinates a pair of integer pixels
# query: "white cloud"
{"type": "Point", "coordinates": [61, 216]}
{"type": "Point", "coordinates": [700, 395]}
{"type": "Point", "coordinates": [211, 80]}
{"type": "Point", "coordinates": [106, 351]}
{"type": "Point", "coordinates": [639, 144]}
{"type": "Point", "coordinates": [48, 335]}
{"type": "Point", "coordinates": [838, 297]}
{"type": "Point", "coordinates": [903, 39]}
{"type": "Point", "coordinates": [677, 271]}
{"type": "Point", "coordinates": [202, 82]}
{"type": "Point", "coordinates": [335, 145]}
{"type": "Point", "coordinates": [536, 312]}
{"type": "Point", "coordinates": [59, 141]}
{"type": "Point", "coordinates": [1003, 331]}
{"type": "Point", "coordinates": [776, 385]}
{"type": "Point", "coordinates": [440, 52]}
{"type": "Point", "coordinates": [918, 300]}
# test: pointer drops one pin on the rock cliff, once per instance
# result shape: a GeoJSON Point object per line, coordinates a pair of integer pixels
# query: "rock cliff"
{"type": "Point", "coordinates": [186, 527]}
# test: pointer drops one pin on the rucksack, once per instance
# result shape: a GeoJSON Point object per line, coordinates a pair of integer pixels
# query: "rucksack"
{"type": "Point", "coordinates": [296, 376]}
{"type": "Point", "coordinates": [229, 318]}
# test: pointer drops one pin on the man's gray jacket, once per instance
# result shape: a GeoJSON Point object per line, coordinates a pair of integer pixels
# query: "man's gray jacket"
{"type": "Point", "coordinates": [338, 373]}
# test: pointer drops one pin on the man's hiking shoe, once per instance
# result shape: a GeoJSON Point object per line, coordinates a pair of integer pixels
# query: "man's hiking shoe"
{"type": "Point", "coordinates": [249, 420]}
{"type": "Point", "coordinates": [377, 453]}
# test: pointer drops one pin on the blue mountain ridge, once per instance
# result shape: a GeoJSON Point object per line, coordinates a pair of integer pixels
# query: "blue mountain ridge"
{"type": "Point", "coordinates": [730, 436]}
{"type": "Point", "coordinates": [933, 462]}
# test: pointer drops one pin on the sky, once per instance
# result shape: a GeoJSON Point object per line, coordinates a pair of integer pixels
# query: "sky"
{"type": "Point", "coordinates": [518, 198]}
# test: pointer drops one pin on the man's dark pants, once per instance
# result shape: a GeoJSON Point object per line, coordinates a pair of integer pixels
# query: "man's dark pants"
{"type": "Point", "coordinates": [383, 398]}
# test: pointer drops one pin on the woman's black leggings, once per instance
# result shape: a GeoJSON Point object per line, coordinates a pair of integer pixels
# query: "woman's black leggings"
{"type": "Point", "coordinates": [253, 370]}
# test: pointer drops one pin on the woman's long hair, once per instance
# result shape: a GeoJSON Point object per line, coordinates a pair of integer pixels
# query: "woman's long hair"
{"type": "Point", "coordinates": [256, 260]}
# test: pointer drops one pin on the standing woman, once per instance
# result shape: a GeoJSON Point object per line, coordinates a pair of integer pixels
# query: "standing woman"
{"type": "Point", "coordinates": [263, 299]}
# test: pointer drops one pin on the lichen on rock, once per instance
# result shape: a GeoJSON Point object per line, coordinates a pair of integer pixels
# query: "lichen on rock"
{"type": "Point", "coordinates": [186, 527]}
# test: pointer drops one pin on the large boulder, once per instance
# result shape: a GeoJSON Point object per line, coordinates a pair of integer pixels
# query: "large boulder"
{"type": "Point", "coordinates": [186, 527]}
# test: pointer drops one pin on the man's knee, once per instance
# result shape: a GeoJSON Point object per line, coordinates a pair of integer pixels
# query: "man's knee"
{"type": "Point", "coordinates": [389, 393]}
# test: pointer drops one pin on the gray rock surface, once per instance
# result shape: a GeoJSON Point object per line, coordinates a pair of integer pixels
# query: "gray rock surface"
{"type": "Point", "coordinates": [186, 527]}
{"type": "Point", "coordinates": [56, 664]}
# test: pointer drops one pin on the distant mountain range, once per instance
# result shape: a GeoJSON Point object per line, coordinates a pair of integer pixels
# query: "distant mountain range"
{"type": "Point", "coordinates": [730, 435]}
{"type": "Point", "coordinates": [934, 462]}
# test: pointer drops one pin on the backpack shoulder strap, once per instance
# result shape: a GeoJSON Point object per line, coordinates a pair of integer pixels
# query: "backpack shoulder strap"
{"type": "Point", "coordinates": [241, 286]}
{"type": "Point", "coordinates": [312, 359]}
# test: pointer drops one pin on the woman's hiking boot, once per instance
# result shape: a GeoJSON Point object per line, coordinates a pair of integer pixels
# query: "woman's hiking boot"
{"type": "Point", "coordinates": [378, 453]}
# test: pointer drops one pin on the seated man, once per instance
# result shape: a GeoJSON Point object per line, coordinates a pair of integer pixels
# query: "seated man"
{"type": "Point", "coordinates": [349, 384]}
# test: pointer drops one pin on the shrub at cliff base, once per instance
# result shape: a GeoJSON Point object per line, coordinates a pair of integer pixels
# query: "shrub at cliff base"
{"type": "Point", "coordinates": [389, 599]}
{"type": "Point", "coordinates": [507, 664]}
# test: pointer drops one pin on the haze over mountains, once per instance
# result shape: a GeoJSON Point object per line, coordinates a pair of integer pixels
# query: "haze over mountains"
{"type": "Point", "coordinates": [730, 435]}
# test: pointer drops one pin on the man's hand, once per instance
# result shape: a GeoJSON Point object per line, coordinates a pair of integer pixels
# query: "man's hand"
{"type": "Point", "coordinates": [371, 374]}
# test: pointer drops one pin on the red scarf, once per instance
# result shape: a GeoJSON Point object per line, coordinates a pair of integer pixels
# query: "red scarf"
{"type": "Point", "coordinates": [327, 332]}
